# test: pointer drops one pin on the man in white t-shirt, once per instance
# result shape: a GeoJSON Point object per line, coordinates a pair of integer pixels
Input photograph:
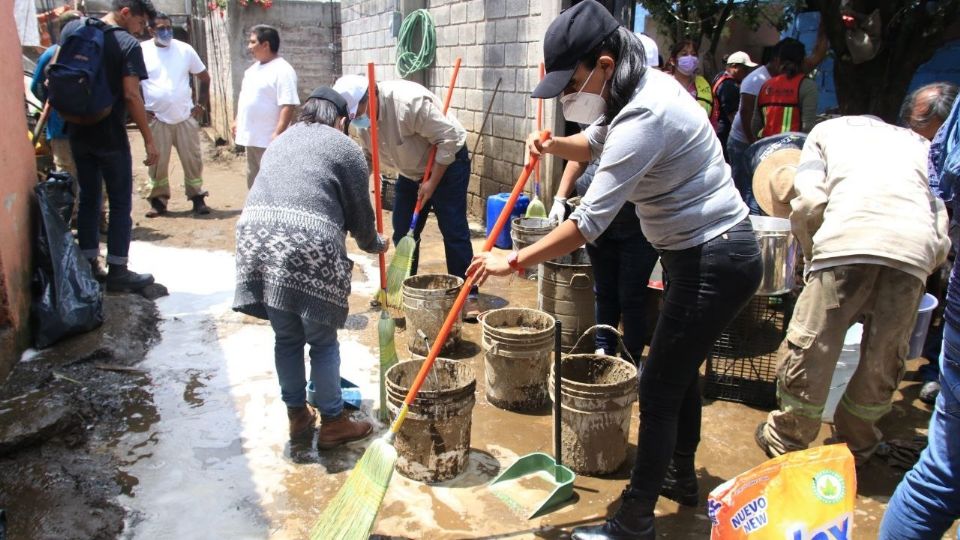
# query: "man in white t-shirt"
{"type": "Point", "coordinates": [268, 97]}
{"type": "Point", "coordinates": [169, 103]}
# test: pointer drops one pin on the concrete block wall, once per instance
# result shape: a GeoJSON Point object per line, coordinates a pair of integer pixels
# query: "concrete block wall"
{"type": "Point", "coordinates": [496, 39]}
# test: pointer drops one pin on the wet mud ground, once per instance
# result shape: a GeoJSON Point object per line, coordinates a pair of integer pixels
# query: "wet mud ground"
{"type": "Point", "coordinates": [191, 443]}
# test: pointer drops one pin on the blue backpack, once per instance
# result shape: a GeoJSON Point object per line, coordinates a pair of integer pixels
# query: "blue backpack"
{"type": "Point", "coordinates": [76, 83]}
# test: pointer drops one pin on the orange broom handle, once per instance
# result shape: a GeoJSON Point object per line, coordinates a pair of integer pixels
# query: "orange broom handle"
{"type": "Point", "coordinates": [433, 149]}
{"type": "Point", "coordinates": [465, 290]}
{"type": "Point", "coordinates": [375, 153]}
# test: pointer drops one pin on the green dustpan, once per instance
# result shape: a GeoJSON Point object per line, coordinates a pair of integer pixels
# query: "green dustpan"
{"type": "Point", "coordinates": [522, 484]}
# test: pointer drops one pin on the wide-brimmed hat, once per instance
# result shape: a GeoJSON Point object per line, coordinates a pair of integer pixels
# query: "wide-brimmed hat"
{"type": "Point", "coordinates": [773, 181]}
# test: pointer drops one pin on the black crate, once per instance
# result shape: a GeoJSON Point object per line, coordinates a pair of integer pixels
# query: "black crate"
{"type": "Point", "coordinates": [742, 365]}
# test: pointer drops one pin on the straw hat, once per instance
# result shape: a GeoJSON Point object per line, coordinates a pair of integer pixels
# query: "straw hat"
{"type": "Point", "coordinates": [773, 181]}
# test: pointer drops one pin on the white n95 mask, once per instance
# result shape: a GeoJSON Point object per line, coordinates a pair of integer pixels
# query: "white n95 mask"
{"type": "Point", "coordinates": [584, 107]}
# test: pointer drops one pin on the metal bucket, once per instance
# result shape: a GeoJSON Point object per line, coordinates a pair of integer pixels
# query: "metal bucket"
{"type": "Point", "coordinates": [778, 250]}
{"type": "Point", "coordinates": [597, 394]}
{"type": "Point", "coordinates": [427, 298]}
{"type": "Point", "coordinates": [565, 290]}
{"type": "Point", "coordinates": [525, 231]}
{"type": "Point", "coordinates": [517, 345]}
{"type": "Point", "coordinates": [433, 444]}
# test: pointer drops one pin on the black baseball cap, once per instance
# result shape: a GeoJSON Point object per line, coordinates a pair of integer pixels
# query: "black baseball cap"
{"type": "Point", "coordinates": [331, 95]}
{"type": "Point", "coordinates": [577, 31]}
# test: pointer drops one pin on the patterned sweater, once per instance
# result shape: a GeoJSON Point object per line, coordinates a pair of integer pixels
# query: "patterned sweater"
{"type": "Point", "coordinates": [291, 236]}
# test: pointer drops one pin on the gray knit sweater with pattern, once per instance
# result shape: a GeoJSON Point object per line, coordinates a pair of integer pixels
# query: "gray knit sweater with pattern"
{"type": "Point", "coordinates": [291, 237]}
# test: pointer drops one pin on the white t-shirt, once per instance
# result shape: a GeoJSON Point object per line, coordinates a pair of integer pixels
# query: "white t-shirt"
{"type": "Point", "coordinates": [265, 90]}
{"type": "Point", "coordinates": [750, 85]}
{"type": "Point", "coordinates": [167, 92]}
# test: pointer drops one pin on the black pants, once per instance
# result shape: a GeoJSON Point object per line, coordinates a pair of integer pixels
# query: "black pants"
{"type": "Point", "coordinates": [707, 286]}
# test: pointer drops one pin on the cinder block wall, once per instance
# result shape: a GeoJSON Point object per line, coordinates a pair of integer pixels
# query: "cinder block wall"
{"type": "Point", "coordinates": [496, 39]}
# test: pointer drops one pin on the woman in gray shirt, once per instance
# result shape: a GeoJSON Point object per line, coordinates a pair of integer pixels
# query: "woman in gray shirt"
{"type": "Point", "coordinates": [657, 150]}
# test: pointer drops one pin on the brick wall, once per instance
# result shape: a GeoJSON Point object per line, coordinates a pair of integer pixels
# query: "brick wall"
{"type": "Point", "coordinates": [496, 39]}
{"type": "Point", "coordinates": [309, 40]}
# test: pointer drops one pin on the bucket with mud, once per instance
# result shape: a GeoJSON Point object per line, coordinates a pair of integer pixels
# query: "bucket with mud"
{"type": "Point", "coordinates": [597, 393]}
{"type": "Point", "coordinates": [565, 291]}
{"type": "Point", "coordinates": [427, 298]}
{"type": "Point", "coordinates": [517, 346]}
{"type": "Point", "coordinates": [433, 444]}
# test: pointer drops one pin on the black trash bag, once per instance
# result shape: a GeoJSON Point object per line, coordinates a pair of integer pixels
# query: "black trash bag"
{"type": "Point", "coordinates": [67, 298]}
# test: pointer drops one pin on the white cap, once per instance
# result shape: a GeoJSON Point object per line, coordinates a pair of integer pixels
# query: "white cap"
{"type": "Point", "coordinates": [650, 47]}
{"type": "Point", "coordinates": [352, 88]}
{"type": "Point", "coordinates": [740, 57]}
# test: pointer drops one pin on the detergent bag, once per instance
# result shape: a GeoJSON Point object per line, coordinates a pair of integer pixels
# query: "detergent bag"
{"type": "Point", "coordinates": [806, 495]}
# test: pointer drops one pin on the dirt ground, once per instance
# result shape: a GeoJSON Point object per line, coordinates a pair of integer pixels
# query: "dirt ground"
{"type": "Point", "coordinates": [96, 473]}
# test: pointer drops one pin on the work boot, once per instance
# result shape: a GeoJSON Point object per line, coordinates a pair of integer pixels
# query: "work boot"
{"type": "Point", "coordinates": [200, 208]}
{"type": "Point", "coordinates": [99, 273]}
{"type": "Point", "coordinates": [121, 279]}
{"type": "Point", "coordinates": [633, 521]}
{"type": "Point", "coordinates": [302, 421]}
{"type": "Point", "coordinates": [680, 484]}
{"type": "Point", "coordinates": [158, 207]}
{"type": "Point", "coordinates": [760, 438]}
{"type": "Point", "coordinates": [341, 429]}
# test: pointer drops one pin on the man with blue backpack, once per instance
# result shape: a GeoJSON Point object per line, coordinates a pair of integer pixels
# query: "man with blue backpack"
{"type": "Point", "coordinates": [93, 83]}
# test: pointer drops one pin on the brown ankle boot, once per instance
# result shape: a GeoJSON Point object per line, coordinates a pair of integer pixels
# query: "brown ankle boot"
{"type": "Point", "coordinates": [302, 421]}
{"type": "Point", "coordinates": [338, 430]}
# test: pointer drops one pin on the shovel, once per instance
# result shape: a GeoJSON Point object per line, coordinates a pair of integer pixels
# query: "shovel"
{"type": "Point", "coordinates": [522, 486]}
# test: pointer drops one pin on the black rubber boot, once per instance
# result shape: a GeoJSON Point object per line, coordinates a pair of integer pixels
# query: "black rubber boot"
{"type": "Point", "coordinates": [120, 279]}
{"type": "Point", "coordinates": [680, 484]}
{"type": "Point", "coordinates": [633, 521]}
{"type": "Point", "coordinates": [98, 272]}
{"type": "Point", "coordinates": [157, 207]}
{"type": "Point", "coordinates": [200, 207]}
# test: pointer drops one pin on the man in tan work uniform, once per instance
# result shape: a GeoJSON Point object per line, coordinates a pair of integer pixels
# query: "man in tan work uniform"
{"type": "Point", "coordinates": [410, 122]}
{"type": "Point", "coordinates": [871, 232]}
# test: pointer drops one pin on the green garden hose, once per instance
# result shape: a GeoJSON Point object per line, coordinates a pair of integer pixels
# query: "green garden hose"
{"type": "Point", "coordinates": [409, 62]}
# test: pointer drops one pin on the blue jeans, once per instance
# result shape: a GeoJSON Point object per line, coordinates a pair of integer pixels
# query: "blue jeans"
{"type": "Point", "coordinates": [449, 203]}
{"type": "Point", "coordinates": [927, 501]}
{"type": "Point", "coordinates": [115, 170]}
{"type": "Point", "coordinates": [707, 286]}
{"type": "Point", "coordinates": [291, 333]}
{"type": "Point", "coordinates": [742, 175]}
{"type": "Point", "coordinates": [622, 260]}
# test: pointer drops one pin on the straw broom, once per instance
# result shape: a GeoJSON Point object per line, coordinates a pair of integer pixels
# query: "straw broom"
{"type": "Point", "coordinates": [403, 257]}
{"type": "Point", "coordinates": [536, 209]}
{"type": "Point", "coordinates": [386, 328]}
{"type": "Point", "coordinates": [351, 513]}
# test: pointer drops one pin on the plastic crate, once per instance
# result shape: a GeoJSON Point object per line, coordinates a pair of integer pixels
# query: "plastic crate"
{"type": "Point", "coordinates": [742, 365]}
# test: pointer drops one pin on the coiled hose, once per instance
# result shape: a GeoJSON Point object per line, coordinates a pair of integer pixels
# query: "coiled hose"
{"type": "Point", "coordinates": [409, 62]}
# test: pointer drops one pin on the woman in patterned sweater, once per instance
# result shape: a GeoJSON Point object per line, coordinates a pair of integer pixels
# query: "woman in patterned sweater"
{"type": "Point", "coordinates": [292, 264]}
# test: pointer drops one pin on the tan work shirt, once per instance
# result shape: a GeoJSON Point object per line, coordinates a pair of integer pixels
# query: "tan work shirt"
{"type": "Point", "coordinates": [410, 121]}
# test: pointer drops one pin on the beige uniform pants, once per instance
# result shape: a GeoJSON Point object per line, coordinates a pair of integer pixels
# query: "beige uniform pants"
{"type": "Point", "coordinates": [833, 300]}
{"type": "Point", "coordinates": [254, 155]}
{"type": "Point", "coordinates": [185, 137]}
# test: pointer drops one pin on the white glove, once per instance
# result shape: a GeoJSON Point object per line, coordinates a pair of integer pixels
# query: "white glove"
{"type": "Point", "coordinates": [559, 209]}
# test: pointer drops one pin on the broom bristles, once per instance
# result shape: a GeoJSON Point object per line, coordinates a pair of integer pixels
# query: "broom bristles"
{"type": "Point", "coordinates": [399, 270]}
{"type": "Point", "coordinates": [351, 513]}
{"type": "Point", "coordinates": [536, 209]}
{"type": "Point", "coordinates": [388, 357]}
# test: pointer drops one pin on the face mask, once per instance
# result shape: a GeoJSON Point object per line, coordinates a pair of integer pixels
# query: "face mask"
{"type": "Point", "coordinates": [164, 36]}
{"type": "Point", "coordinates": [584, 107]}
{"type": "Point", "coordinates": [361, 122]}
{"type": "Point", "coordinates": [687, 65]}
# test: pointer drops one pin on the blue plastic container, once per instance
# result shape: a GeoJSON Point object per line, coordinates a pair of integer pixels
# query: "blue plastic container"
{"type": "Point", "coordinates": [495, 204]}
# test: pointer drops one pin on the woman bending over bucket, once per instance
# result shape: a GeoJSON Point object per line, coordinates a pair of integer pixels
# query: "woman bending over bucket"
{"type": "Point", "coordinates": [292, 265]}
{"type": "Point", "coordinates": [658, 151]}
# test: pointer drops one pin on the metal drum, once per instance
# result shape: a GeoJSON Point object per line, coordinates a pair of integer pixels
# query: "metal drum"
{"type": "Point", "coordinates": [565, 291]}
{"type": "Point", "coordinates": [778, 250]}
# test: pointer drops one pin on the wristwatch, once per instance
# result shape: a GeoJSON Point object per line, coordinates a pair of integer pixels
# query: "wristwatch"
{"type": "Point", "coordinates": [512, 261]}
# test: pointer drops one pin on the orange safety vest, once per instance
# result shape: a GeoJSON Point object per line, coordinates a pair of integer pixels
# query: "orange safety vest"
{"type": "Point", "coordinates": [715, 113]}
{"type": "Point", "coordinates": [779, 104]}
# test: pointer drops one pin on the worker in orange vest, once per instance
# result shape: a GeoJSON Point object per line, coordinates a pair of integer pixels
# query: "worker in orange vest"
{"type": "Point", "coordinates": [788, 101]}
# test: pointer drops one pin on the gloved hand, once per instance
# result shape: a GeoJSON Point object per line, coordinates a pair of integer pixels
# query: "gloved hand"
{"type": "Point", "coordinates": [559, 209]}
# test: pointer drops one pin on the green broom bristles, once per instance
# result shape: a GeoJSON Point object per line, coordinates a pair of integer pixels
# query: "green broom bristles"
{"type": "Point", "coordinates": [351, 513]}
{"type": "Point", "coordinates": [399, 270]}
{"type": "Point", "coordinates": [388, 357]}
